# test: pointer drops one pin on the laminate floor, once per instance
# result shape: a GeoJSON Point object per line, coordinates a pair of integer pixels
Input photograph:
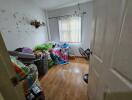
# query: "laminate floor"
{"type": "Point", "coordinates": [65, 82]}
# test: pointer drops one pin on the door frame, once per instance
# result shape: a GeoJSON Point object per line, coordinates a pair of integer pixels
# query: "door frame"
{"type": "Point", "coordinates": [7, 72]}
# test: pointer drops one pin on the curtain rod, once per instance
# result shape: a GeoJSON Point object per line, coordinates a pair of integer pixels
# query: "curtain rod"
{"type": "Point", "coordinates": [66, 15]}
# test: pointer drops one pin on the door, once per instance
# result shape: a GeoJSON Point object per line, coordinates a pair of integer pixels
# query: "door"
{"type": "Point", "coordinates": [8, 90]}
{"type": "Point", "coordinates": [110, 76]}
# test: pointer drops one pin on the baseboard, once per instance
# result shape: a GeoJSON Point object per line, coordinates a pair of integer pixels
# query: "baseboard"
{"type": "Point", "coordinates": [74, 56]}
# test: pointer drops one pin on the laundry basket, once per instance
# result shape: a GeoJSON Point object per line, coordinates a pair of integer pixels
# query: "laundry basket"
{"type": "Point", "coordinates": [42, 64]}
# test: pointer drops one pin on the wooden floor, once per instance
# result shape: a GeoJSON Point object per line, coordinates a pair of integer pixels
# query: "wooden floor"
{"type": "Point", "coordinates": [65, 82]}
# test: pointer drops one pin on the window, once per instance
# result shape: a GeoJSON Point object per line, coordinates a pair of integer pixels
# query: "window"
{"type": "Point", "coordinates": [70, 29]}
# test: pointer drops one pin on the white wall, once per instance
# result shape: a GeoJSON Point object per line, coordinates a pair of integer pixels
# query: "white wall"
{"type": "Point", "coordinates": [86, 24]}
{"type": "Point", "coordinates": [15, 18]}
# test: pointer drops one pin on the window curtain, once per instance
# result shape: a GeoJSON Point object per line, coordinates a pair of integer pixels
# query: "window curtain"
{"type": "Point", "coordinates": [70, 29]}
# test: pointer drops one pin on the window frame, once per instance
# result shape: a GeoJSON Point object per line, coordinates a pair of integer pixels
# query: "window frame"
{"type": "Point", "coordinates": [67, 31]}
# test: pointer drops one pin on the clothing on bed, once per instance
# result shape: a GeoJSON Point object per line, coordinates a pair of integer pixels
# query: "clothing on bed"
{"type": "Point", "coordinates": [60, 51]}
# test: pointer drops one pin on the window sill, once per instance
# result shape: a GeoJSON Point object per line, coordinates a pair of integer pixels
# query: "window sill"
{"type": "Point", "coordinates": [74, 43]}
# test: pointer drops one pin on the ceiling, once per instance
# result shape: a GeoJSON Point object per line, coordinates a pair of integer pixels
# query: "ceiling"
{"type": "Point", "coordinates": [55, 4]}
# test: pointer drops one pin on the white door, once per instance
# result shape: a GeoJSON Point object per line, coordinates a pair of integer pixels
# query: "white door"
{"type": "Point", "coordinates": [9, 89]}
{"type": "Point", "coordinates": [110, 76]}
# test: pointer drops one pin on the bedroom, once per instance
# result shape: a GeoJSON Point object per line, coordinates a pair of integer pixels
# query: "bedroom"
{"type": "Point", "coordinates": [65, 49]}
{"type": "Point", "coordinates": [19, 29]}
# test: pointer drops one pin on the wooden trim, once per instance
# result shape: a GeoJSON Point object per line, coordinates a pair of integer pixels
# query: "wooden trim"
{"type": "Point", "coordinates": [73, 57]}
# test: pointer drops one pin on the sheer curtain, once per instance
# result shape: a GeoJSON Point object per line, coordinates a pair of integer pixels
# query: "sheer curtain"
{"type": "Point", "coordinates": [70, 29]}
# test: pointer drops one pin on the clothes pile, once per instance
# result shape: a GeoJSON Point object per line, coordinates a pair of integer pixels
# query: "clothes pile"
{"type": "Point", "coordinates": [27, 74]}
{"type": "Point", "coordinates": [58, 52]}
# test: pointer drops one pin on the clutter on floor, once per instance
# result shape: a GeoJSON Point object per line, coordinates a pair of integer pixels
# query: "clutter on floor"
{"type": "Point", "coordinates": [30, 64]}
{"type": "Point", "coordinates": [58, 52]}
{"type": "Point", "coordinates": [35, 93]}
{"type": "Point", "coordinates": [57, 59]}
{"type": "Point", "coordinates": [42, 64]}
{"type": "Point", "coordinates": [27, 75]}
{"type": "Point", "coordinates": [43, 56]}
{"type": "Point", "coordinates": [85, 53]}
{"type": "Point", "coordinates": [85, 78]}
